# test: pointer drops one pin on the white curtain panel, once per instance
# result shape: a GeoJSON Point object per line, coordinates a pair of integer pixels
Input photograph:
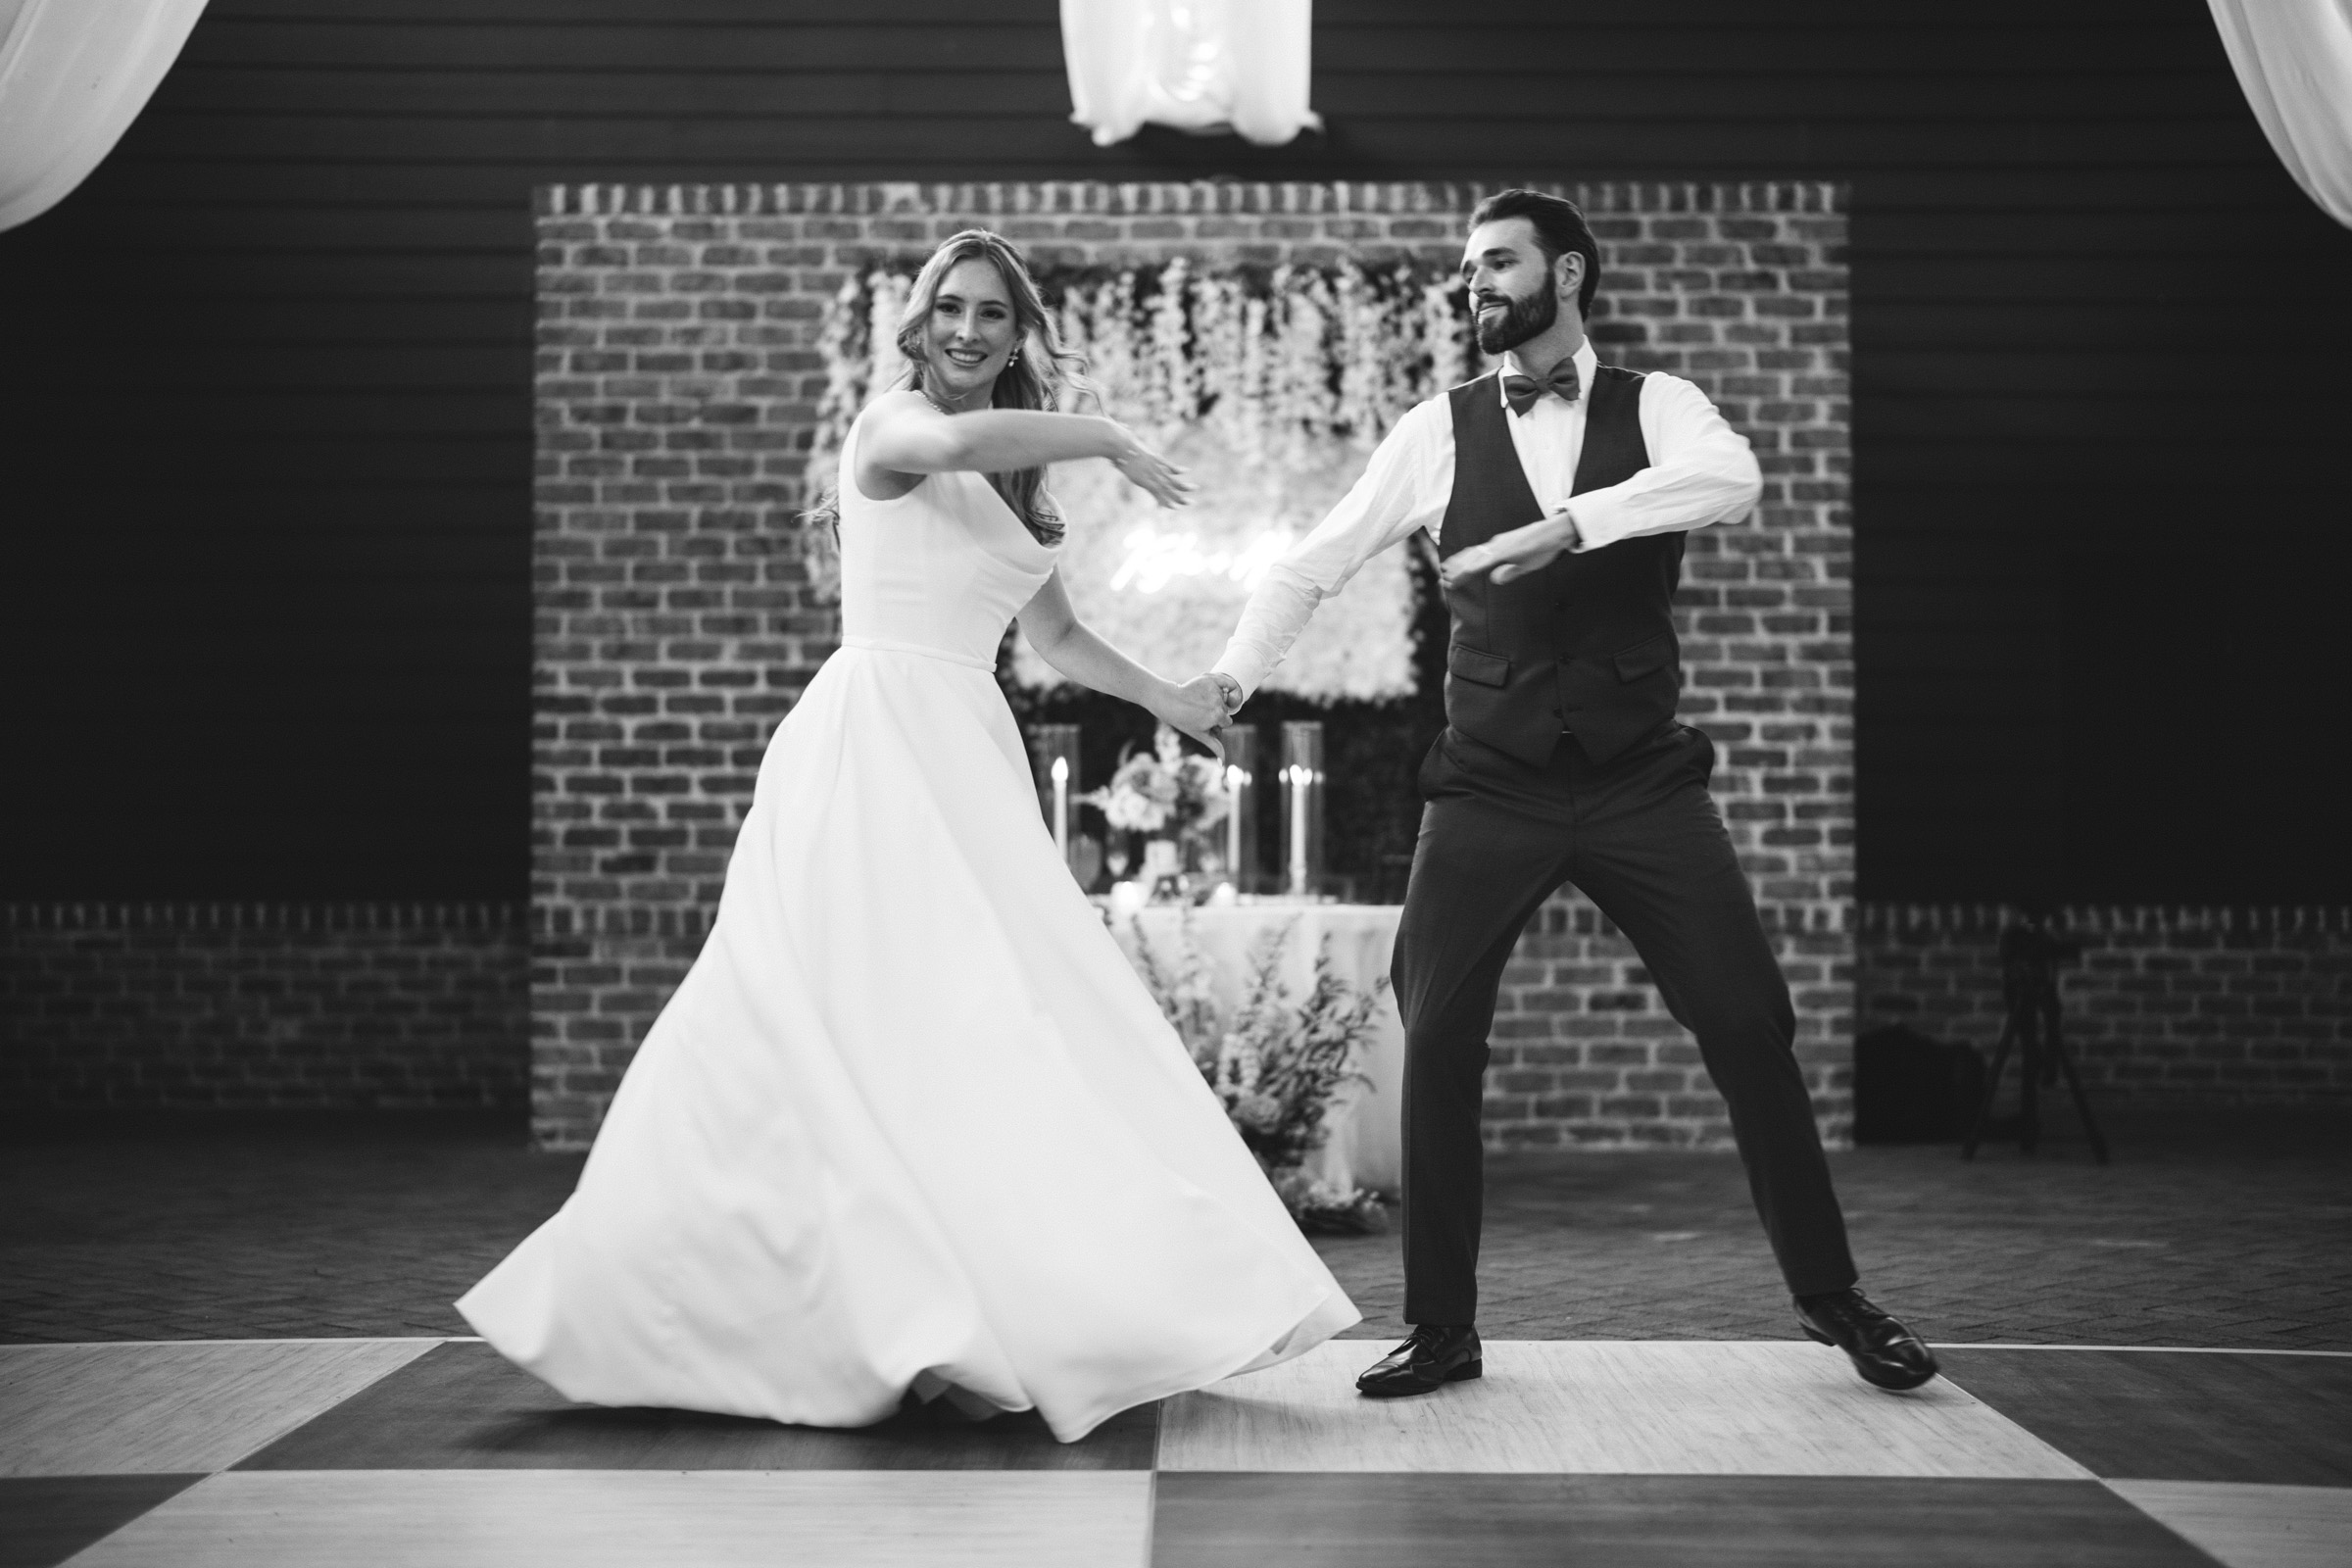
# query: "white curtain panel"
{"type": "Point", "coordinates": [2295, 60]}
{"type": "Point", "coordinates": [73, 75]}
{"type": "Point", "coordinates": [1197, 65]}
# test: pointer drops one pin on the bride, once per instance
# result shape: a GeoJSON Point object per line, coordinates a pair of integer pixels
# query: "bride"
{"type": "Point", "coordinates": [910, 1124]}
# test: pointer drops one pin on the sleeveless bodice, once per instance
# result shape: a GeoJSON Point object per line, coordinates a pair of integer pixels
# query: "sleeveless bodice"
{"type": "Point", "coordinates": [939, 570]}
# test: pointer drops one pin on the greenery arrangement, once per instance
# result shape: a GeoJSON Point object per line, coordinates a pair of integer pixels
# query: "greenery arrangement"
{"type": "Point", "coordinates": [1275, 1068]}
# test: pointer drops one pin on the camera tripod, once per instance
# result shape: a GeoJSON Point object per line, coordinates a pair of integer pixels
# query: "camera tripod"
{"type": "Point", "coordinates": [2029, 959]}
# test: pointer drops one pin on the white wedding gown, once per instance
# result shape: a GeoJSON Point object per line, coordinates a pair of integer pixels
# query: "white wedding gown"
{"type": "Point", "coordinates": [910, 1121]}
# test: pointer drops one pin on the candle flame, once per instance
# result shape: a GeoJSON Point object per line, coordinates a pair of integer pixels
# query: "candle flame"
{"type": "Point", "coordinates": [1061, 770]}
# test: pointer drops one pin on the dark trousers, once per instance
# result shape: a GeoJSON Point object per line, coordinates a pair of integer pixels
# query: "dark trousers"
{"type": "Point", "coordinates": [1641, 837]}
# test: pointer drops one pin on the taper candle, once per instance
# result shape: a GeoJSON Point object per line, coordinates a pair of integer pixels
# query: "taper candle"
{"type": "Point", "coordinates": [1234, 779]}
{"type": "Point", "coordinates": [1061, 807]}
{"type": "Point", "coordinates": [1298, 776]}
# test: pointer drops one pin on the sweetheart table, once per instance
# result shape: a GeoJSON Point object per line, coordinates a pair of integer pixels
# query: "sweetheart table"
{"type": "Point", "coordinates": [1362, 1149]}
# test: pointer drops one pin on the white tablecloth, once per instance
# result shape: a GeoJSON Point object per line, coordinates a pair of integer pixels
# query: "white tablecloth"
{"type": "Point", "coordinates": [1362, 1149]}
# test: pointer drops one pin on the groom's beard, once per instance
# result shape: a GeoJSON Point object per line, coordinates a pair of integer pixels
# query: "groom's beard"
{"type": "Point", "coordinates": [1521, 319]}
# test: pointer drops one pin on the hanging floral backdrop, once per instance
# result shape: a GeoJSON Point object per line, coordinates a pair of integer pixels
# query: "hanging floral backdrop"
{"type": "Point", "coordinates": [1271, 386]}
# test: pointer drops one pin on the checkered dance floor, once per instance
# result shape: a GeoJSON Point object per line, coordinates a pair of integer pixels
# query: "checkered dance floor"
{"type": "Point", "coordinates": [435, 1452]}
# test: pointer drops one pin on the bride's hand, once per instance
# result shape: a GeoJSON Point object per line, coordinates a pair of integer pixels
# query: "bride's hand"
{"type": "Point", "coordinates": [1151, 473]}
{"type": "Point", "coordinates": [1197, 708]}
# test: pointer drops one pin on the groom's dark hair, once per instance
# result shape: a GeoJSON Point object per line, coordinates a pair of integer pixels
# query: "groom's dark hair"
{"type": "Point", "coordinates": [1560, 228]}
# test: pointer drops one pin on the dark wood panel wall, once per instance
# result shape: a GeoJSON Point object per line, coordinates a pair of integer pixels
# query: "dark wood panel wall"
{"type": "Point", "coordinates": [267, 451]}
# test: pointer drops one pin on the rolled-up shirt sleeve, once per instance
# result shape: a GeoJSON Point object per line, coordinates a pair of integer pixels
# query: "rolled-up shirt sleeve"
{"type": "Point", "coordinates": [1405, 487]}
{"type": "Point", "coordinates": [1700, 472]}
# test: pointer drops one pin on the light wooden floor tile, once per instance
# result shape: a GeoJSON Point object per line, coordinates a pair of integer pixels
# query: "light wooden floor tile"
{"type": "Point", "coordinates": [136, 1409]}
{"type": "Point", "coordinates": [1640, 1408]}
{"type": "Point", "coordinates": [632, 1518]}
{"type": "Point", "coordinates": [2248, 1526]}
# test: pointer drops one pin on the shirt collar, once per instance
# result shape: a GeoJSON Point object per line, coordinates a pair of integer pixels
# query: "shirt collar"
{"type": "Point", "coordinates": [1586, 359]}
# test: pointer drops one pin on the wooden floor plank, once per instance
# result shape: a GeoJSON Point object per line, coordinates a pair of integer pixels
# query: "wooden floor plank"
{"type": "Point", "coordinates": [464, 1406]}
{"type": "Point", "coordinates": [2252, 1526]}
{"type": "Point", "coordinates": [2162, 1415]}
{"type": "Point", "coordinates": [628, 1519]}
{"type": "Point", "coordinates": [1604, 1407]}
{"type": "Point", "coordinates": [1525, 1521]}
{"type": "Point", "coordinates": [46, 1519]}
{"type": "Point", "coordinates": [155, 1408]}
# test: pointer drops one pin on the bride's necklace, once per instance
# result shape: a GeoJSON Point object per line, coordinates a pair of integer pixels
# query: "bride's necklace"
{"type": "Point", "coordinates": [941, 407]}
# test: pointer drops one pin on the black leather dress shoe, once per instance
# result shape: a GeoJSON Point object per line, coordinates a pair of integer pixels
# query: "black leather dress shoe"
{"type": "Point", "coordinates": [1887, 1355]}
{"type": "Point", "coordinates": [1435, 1355]}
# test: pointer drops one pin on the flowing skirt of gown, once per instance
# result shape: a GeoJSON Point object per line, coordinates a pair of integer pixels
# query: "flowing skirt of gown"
{"type": "Point", "coordinates": [910, 1121]}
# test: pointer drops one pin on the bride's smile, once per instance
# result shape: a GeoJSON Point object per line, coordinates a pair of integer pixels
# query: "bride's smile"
{"type": "Point", "coordinates": [970, 336]}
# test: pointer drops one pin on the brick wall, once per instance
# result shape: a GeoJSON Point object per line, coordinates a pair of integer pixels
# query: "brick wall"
{"type": "Point", "coordinates": [677, 387]}
{"type": "Point", "coordinates": [2251, 1006]}
{"type": "Point", "coordinates": [1586, 1055]}
{"type": "Point", "coordinates": [114, 1010]}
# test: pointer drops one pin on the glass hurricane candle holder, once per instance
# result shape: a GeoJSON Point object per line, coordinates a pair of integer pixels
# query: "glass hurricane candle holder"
{"type": "Point", "coordinates": [1053, 762]}
{"type": "Point", "coordinates": [1243, 782]}
{"type": "Point", "coordinates": [1302, 808]}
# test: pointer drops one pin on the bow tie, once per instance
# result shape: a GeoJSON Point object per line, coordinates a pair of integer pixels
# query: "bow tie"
{"type": "Point", "coordinates": [1521, 391]}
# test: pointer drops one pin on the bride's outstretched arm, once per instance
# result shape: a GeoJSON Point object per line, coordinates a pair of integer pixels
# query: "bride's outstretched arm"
{"type": "Point", "coordinates": [904, 434]}
{"type": "Point", "coordinates": [1196, 707]}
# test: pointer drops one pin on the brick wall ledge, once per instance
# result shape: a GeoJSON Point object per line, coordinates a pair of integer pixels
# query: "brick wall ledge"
{"type": "Point", "coordinates": [689, 922]}
{"type": "Point", "coordinates": [1562, 916]}
{"type": "Point", "coordinates": [1090, 198]}
{"type": "Point", "coordinates": [1880, 918]}
{"type": "Point", "coordinates": [201, 915]}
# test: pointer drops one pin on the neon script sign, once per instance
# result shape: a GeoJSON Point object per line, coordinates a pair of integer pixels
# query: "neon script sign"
{"type": "Point", "coordinates": [1153, 558]}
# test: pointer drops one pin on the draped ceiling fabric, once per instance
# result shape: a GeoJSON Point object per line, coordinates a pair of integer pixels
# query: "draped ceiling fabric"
{"type": "Point", "coordinates": [73, 75]}
{"type": "Point", "coordinates": [1197, 65]}
{"type": "Point", "coordinates": [2295, 60]}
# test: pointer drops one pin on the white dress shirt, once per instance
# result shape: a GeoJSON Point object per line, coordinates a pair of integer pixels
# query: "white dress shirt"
{"type": "Point", "coordinates": [1700, 472]}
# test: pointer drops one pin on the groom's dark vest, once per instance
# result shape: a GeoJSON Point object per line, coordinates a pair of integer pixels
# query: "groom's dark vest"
{"type": "Point", "coordinates": [1586, 645]}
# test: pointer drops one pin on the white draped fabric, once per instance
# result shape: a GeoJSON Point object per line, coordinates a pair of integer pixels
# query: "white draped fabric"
{"type": "Point", "coordinates": [1197, 65]}
{"type": "Point", "coordinates": [73, 75]}
{"type": "Point", "coordinates": [2294, 60]}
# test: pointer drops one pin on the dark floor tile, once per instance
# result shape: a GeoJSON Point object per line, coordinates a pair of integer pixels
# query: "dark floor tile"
{"type": "Point", "coordinates": [46, 1519]}
{"type": "Point", "coordinates": [1203, 1520]}
{"type": "Point", "coordinates": [466, 1407]}
{"type": "Point", "coordinates": [2153, 1415]}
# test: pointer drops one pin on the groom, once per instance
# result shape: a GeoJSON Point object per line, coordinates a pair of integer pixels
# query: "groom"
{"type": "Point", "coordinates": [1558, 493]}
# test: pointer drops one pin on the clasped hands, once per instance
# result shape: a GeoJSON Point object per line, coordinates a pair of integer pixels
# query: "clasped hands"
{"type": "Point", "coordinates": [1201, 707]}
{"type": "Point", "coordinates": [1515, 552]}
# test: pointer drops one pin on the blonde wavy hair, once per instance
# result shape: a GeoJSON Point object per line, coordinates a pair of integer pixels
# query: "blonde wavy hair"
{"type": "Point", "coordinates": [1041, 373]}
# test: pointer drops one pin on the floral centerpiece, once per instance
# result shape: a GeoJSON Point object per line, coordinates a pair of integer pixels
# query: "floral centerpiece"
{"type": "Point", "coordinates": [1168, 797]}
{"type": "Point", "coordinates": [1277, 1068]}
